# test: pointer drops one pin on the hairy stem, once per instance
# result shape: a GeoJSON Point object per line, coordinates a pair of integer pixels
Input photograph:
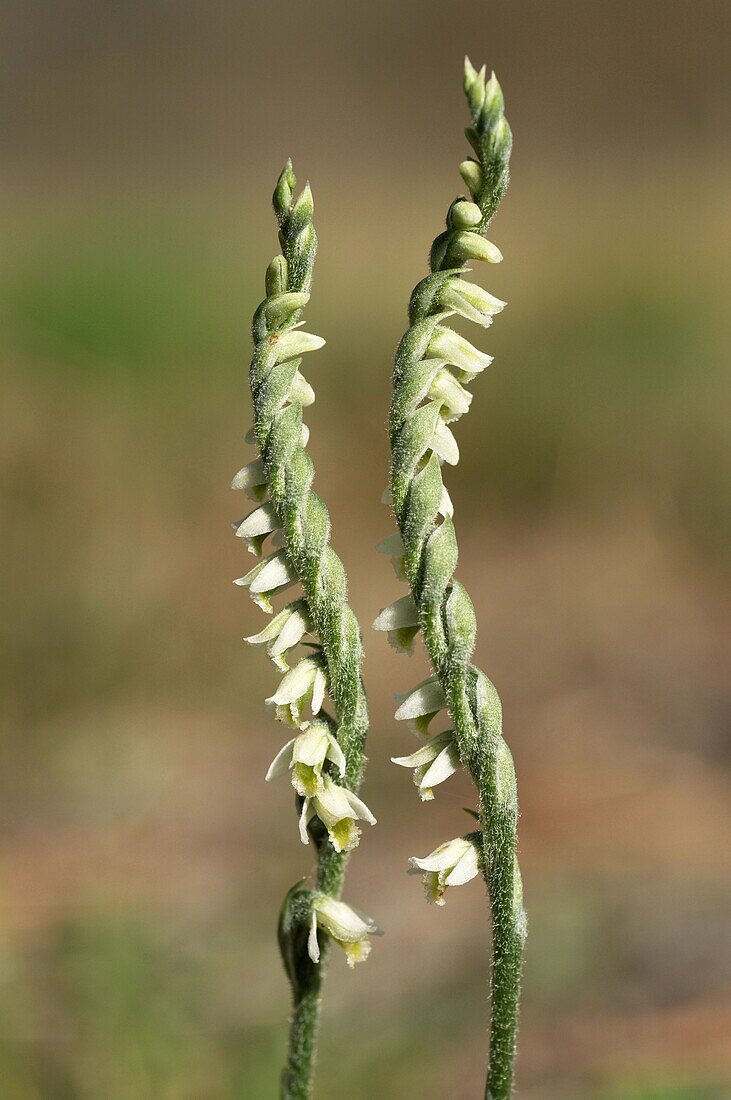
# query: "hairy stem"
{"type": "Point", "coordinates": [301, 519]}
{"type": "Point", "coordinates": [432, 367]}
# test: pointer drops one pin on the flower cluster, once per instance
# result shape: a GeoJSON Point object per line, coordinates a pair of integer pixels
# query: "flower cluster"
{"type": "Point", "coordinates": [314, 639]}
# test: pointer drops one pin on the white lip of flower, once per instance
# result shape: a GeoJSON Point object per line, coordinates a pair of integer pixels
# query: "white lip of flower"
{"type": "Point", "coordinates": [420, 705]}
{"type": "Point", "coordinates": [306, 682]}
{"type": "Point", "coordinates": [283, 632]}
{"type": "Point", "coordinates": [305, 756]}
{"type": "Point", "coordinates": [338, 809]}
{"type": "Point", "coordinates": [252, 479]}
{"type": "Point", "coordinates": [444, 444]}
{"type": "Point", "coordinates": [458, 351]}
{"type": "Point", "coordinates": [451, 864]}
{"type": "Point", "coordinates": [432, 763]}
{"type": "Point", "coordinates": [255, 527]}
{"type": "Point", "coordinates": [471, 301]}
{"type": "Point", "coordinates": [343, 924]}
{"type": "Point", "coordinates": [266, 577]}
{"type": "Point", "coordinates": [401, 620]}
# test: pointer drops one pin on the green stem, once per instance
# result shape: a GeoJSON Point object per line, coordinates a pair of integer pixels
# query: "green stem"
{"type": "Point", "coordinates": [445, 612]}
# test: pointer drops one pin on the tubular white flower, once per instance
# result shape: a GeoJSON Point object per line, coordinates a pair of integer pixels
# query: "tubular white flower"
{"type": "Point", "coordinates": [432, 763]}
{"type": "Point", "coordinates": [451, 394]}
{"type": "Point", "coordinates": [471, 301]}
{"type": "Point", "coordinates": [401, 620]}
{"type": "Point", "coordinates": [451, 864]}
{"type": "Point", "coordinates": [283, 632]}
{"type": "Point", "coordinates": [255, 527]}
{"type": "Point", "coordinates": [421, 704]}
{"type": "Point", "coordinates": [338, 809]}
{"type": "Point", "coordinates": [252, 479]}
{"type": "Point", "coordinates": [305, 756]}
{"type": "Point", "coordinates": [303, 684]}
{"type": "Point", "coordinates": [455, 349]}
{"type": "Point", "coordinates": [343, 924]}
{"type": "Point", "coordinates": [266, 577]}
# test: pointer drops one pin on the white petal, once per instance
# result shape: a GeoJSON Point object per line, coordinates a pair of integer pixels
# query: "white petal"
{"type": "Point", "coordinates": [281, 762]}
{"type": "Point", "coordinates": [332, 805]}
{"type": "Point", "coordinates": [341, 921]}
{"type": "Point", "coordinates": [426, 698]}
{"type": "Point", "coordinates": [313, 947]}
{"type": "Point", "coordinates": [301, 392]}
{"type": "Point", "coordinates": [466, 869]}
{"type": "Point", "coordinates": [259, 522]}
{"type": "Point", "coordinates": [453, 348]}
{"type": "Point", "coordinates": [305, 818]}
{"type": "Point", "coordinates": [446, 764]}
{"type": "Point", "coordinates": [361, 810]}
{"type": "Point", "coordinates": [311, 746]}
{"type": "Point", "coordinates": [401, 613]}
{"type": "Point", "coordinates": [271, 630]}
{"type": "Point", "coordinates": [446, 508]}
{"type": "Point", "coordinates": [295, 683]}
{"type": "Point", "coordinates": [250, 475]}
{"type": "Point", "coordinates": [318, 690]}
{"type": "Point", "coordinates": [293, 630]}
{"type": "Point", "coordinates": [444, 444]}
{"type": "Point", "coordinates": [335, 753]}
{"type": "Point", "coordinates": [427, 753]}
{"type": "Point", "coordinates": [446, 856]}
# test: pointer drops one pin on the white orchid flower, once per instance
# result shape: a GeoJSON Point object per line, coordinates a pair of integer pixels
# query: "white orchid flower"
{"type": "Point", "coordinates": [252, 479]}
{"type": "Point", "coordinates": [338, 809]}
{"type": "Point", "coordinates": [255, 527]}
{"type": "Point", "coordinates": [451, 864]}
{"type": "Point", "coordinates": [471, 301]}
{"type": "Point", "coordinates": [305, 756]}
{"type": "Point", "coordinates": [454, 399]}
{"type": "Point", "coordinates": [303, 684]}
{"type": "Point", "coordinates": [283, 632]}
{"type": "Point", "coordinates": [266, 577]}
{"type": "Point", "coordinates": [419, 706]}
{"type": "Point", "coordinates": [455, 349]}
{"type": "Point", "coordinates": [432, 763]}
{"type": "Point", "coordinates": [343, 924]}
{"type": "Point", "coordinates": [401, 620]}
{"type": "Point", "coordinates": [444, 444]}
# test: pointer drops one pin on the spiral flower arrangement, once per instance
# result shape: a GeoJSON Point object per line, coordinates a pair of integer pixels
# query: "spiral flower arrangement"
{"type": "Point", "coordinates": [433, 368]}
{"type": "Point", "coordinates": [324, 759]}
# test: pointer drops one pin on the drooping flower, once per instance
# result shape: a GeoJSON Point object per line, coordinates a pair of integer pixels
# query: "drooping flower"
{"type": "Point", "coordinates": [343, 924]}
{"type": "Point", "coordinates": [303, 684]}
{"type": "Point", "coordinates": [266, 577]}
{"type": "Point", "coordinates": [283, 632]}
{"type": "Point", "coordinates": [432, 763]}
{"type": "Point", "coordinates": [401, 620]}
{"type": "Point", "coordinates": [305, 756]}
{"type": "Point", "coordinates": [338, 809]}
{"type": "Point", "coordinates": [451, 864]}
{"type": "Point", "coordinates": [419, 706]}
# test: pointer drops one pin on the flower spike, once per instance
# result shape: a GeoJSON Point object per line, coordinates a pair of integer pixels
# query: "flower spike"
{"type": "Point", "coordinates": [296, 524]}
{"type": "Point", "coordinates": [434, 369]}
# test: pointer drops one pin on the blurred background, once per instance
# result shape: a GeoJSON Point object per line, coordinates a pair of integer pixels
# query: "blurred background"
{"type": "Point", "coordinates": [143, 857]}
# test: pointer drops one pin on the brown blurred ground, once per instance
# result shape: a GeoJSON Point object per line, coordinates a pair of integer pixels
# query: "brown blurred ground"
{"type": "Point", "coordinates": [143, 857]}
